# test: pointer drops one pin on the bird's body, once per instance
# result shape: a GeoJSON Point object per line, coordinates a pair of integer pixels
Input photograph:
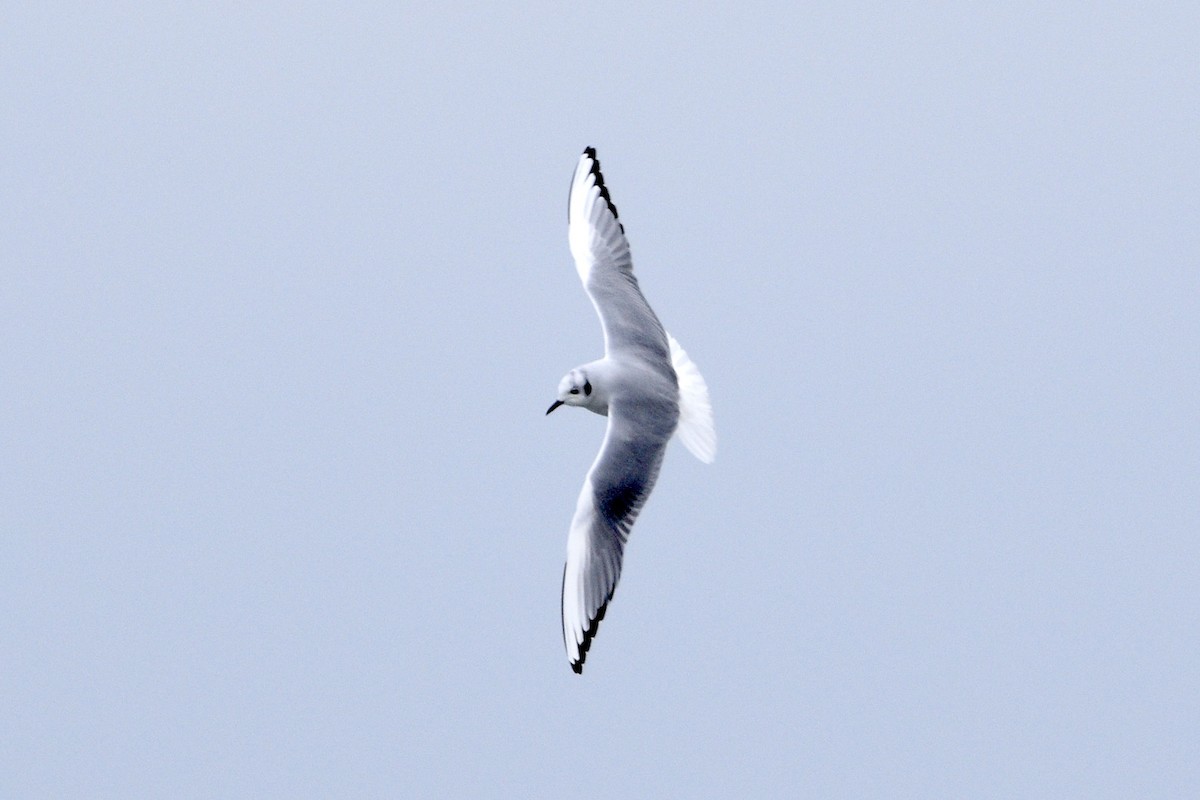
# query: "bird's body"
{"type": "Point", "coordinates": [647, 387]}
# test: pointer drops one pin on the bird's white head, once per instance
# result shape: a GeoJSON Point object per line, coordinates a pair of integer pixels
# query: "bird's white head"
{"type": "Point", "coordinates": [575, 389]}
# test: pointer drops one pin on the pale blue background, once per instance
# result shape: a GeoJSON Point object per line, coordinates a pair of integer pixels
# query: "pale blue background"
{"type": "Point", "coordinates": [286, 292]}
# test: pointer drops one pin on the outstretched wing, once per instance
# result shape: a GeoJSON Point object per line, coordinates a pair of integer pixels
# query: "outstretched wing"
{"type": "Point", "coordinates": [602, 258]}
{"type": "Point", "coordinates": [613, 494]}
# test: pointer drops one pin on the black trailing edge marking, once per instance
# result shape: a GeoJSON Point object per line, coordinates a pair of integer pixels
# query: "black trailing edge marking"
{"type": "Point", "coordinates": [590, 152]}
{"type": "Point", "coordinates": [589, 634]}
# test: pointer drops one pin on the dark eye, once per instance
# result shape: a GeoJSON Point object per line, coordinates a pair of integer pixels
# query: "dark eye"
{"type": "Point", "coordinates": [574, 391]}
{"type": "Point", "coordinates": [587, 388]}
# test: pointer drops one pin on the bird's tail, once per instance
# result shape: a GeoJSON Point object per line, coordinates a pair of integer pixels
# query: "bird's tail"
{"type": "Point", "coordinates": [695, 410]}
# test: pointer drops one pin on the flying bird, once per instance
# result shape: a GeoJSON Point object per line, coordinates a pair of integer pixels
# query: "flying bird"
{"type": "Point", "coordinates": [647, 387]}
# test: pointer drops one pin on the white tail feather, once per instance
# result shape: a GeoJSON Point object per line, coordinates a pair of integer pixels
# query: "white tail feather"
{"type": "Point", "coordinates": [695, 410]}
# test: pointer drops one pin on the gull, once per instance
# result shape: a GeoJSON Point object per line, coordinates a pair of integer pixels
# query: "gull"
{"type": "Point", "coordinates": [647, 387]}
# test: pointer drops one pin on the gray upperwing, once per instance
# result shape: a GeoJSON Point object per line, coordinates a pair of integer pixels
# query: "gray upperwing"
{"type": "Point", "coordinates": [630, 325]}
{"type": "Point", "coordinates": [613, 495]}
{"type": "Point", "coordinates": [605, 266]}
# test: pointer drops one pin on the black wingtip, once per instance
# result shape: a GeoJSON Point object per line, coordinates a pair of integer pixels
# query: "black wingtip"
{"type": "Point", "coordinates": [590, 152]}
{"type": "Point", "coordinates": [593, 626]}
{"type": "Point", "coordinates": [589, 635]}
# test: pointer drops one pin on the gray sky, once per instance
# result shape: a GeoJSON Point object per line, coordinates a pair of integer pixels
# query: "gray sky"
{"type": "Point", "coordinates": [286, 293]}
